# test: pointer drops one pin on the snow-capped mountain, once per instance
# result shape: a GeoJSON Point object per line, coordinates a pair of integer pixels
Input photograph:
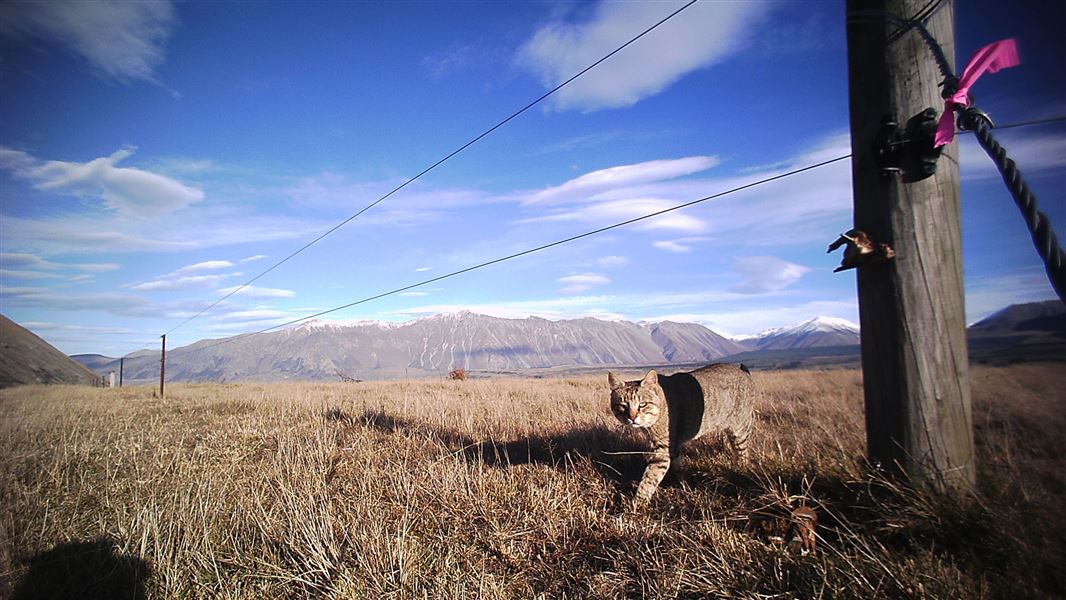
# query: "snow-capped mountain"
{"type": "Point", "coordinates": [819, 331]}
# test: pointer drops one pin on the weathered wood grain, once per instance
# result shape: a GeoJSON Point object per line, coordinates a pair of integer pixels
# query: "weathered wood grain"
{"type": "Point", "coordinates": [911, 309]}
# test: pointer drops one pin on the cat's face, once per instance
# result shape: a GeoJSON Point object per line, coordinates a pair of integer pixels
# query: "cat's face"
{"type": "Point", "coordinates": [636, 403]}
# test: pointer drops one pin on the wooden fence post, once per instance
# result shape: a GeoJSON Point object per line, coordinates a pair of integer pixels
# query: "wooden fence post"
{"type": "Point", "coordinates": [912, 314]}
{"type": "Point", "coordinates": [163, 367]}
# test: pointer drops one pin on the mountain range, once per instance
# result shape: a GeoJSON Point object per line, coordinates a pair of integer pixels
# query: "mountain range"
{"type": "Point", "coordinates": [482, 344]}
{"type": "Point", "coordinates": [438, 344]}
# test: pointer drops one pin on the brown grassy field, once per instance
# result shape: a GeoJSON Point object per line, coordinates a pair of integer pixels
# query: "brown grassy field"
{"type": "Point", "coordinates": [505, 488]}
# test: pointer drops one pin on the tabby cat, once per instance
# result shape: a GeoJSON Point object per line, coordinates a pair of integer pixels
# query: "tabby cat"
{"type": "Point", "coordinates": [674, 409]}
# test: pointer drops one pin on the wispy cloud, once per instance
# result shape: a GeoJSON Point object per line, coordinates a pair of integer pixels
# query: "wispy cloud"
{"type": "Point", "coordinates": [252, 291]}
{"type": "Point", "coordinates": [121, 40]}
{"type": "Point", "coordinates": [612, 262]}
{"type": "Point", "coordinates": [605, 213]}
{"type": "Point", "coordinates": [188, 277]}
{"type": "Point", "coordinates": [590, 186]}
{"type": "Point", "coordinates": [112, 302]}
{"type": "Point", "coordinates": [577, 284]}
{"type": "Point", "coordinates": [37, 326]}
{"type": "Point", "coordinates": [1032, 153]}
{"type": "Point", "coordinates": [129, 191]}
{"type": "Point", "coordinates": [208, 265]}
{"type": "Point", "coordinates": [28, 275]}
{"type": "Point", "coordinates": [766, 274]}
{"type": "Point", "coordinates": [452, 59]}
{"type": "Point", "coordinates": [23, 265]}
{"type": "Point", "coordinates": [16, 260]}
{"type": "Point", "coordinates": [206, 228]}
{"type": "Point", "coordinates": [680, 246]}
{"type": "Point", "coordinates": [705, 34]}
{"type": "Point", "coordinates": [172, 284]}
{"type": "Point", "coordinates": [253, 258]}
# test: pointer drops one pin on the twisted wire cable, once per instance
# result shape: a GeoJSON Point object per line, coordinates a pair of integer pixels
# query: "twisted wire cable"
{"type": "Point", "coordinates": [1039, 226]}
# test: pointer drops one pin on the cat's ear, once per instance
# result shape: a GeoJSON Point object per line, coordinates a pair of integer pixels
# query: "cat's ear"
{"type": "Point", "coordinates": [650, 379]}
{"type": "Point", "coordinates": [615, 382]}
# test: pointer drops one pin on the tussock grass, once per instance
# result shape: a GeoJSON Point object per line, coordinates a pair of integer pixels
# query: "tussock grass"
{"type": "Point", "coordinates": [506, 488]}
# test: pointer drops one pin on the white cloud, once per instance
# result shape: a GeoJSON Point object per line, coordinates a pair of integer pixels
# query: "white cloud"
{"type": "Point", "coordinates": [576, 284]}
{"type": "Point", "coordinates": [24, 275]}
{"type": "Point", "coordinates": [96, 267]}
{"type": "Point", "coordinates": [184, 165]}
{"type": "Point", "coordinates": [766, 274]}
{"type": "Point", "coordinates": [612, 262]}
{"type": "Point", "coordinates": [590, 185]}
{"type": "Point", "coordinates": [123, 40]}
{"type": "Point", "coordinates": [681, 245]}
{"type": "Point", "coordinates": [37, 326]}
{"type": "Point", "coordinates": [423, 269]}
{"type": "Point", "coordinates": [188, 277]}
{"type": "Point", "coordinates": [672, 246]}
{"type": "Point", "coordinates": [115, 303]}
{"type": "Point", "coordinates": [253, 258]}
{"type": "Point", "coordinates": [258, 313]}
{"type": "Point", "coordinates": [171, 283]}
{"type": "Point", "coordinates": [15, 265]}
{"type": "Point", "coordinates": [206, 228]}
{"type": "Point", "coordinates": [606, 213]}
{"type": "Point", "coordinates": [703, 35]}
{"type": "Point", "coordinates": [24, 259]}
{"type": "Point", "coordinates": [623, 193]}
{"type": "Point", "coordinates": [1032, 154]}
{"type": "Point", "coordinates": [208, 265]}
{"type": "Point", "coordinates": [337, 196]}
{"type": "Point", "coordinates": [257, 292]}
{"type": "Point", "coordinates": [129, 191]}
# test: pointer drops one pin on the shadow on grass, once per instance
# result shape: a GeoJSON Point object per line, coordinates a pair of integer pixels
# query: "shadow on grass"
{"type": "Point", "coordinates": [90, 570]}
{"type": "Point", "coordinates": [617, 457]}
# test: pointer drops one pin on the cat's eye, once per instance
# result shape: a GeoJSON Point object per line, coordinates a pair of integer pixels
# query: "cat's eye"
{"type": "Point", "coordinates": [642, 405]}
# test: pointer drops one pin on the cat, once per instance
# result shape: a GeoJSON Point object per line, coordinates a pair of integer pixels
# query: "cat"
{"type": "Point", "coordinates": [675, 409]}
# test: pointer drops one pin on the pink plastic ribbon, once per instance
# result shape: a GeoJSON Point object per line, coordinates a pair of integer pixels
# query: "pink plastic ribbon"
{"type": "Point", "coordinates": [991, 58]}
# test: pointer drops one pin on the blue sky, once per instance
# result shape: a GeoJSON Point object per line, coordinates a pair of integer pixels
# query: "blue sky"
{"type": "Point", "coordinates": [155, 155]}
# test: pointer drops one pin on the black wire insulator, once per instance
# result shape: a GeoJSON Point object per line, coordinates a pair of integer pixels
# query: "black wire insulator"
{"type": "Point", "coordinates": [1047, 244]}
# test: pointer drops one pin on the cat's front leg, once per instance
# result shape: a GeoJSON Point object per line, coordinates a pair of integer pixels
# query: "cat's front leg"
{"type": "Point", "coordinates": [653, 475]}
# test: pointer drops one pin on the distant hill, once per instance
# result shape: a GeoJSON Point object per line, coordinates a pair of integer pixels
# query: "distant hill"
{"type": "Point", "coordinates": [26, 358]}
{"type": "Point", "coordinates": [1020, 332]}
{"type": "Point", "coordinates": [94, 362]}
{"type": "Point", "coordinates": [1038, 318]}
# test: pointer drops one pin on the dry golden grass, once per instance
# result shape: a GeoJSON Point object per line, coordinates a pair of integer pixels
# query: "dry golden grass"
{"type": "Point", "coordinates": [504, 489]}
